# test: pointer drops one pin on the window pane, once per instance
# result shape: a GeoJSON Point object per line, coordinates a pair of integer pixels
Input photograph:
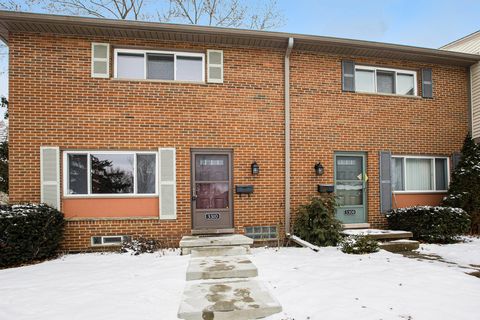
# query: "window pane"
{"type": "Point", "coordinates": [100, 67]}
{"type": "Point", "coordinates": [405, 84]}
{"type": "Point", "coordinates": [419, 174]}
{"type": "Point", "coordinates": [77, 174]}
{"type": "Point", "coordinates": [397, 174]}
{"type": "Point", "coordinates": [112, 173]}
{"type": "Point", "coordinates": [160, 66]}
{"type": "Point", "coordinates": [130, 65]}
{"type": "Point", "coordinates": [100, 51]}
{"type": "Point", "coordinates": [385, 82]}
{"type": "Point", "coordinates": [364, 81]}
{"type": "Point", "coordinates": [189, 68]}
{"type": "Point", "coordinates": [441, 174]}
{"type": "Point", "coordinates": [146, 168]}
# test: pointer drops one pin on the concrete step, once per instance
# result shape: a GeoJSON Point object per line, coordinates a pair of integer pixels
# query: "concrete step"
{"type": "Point", "coordinates": [220, 251]}
{"type": "Point", "coordinates": [221, 268]}
{"type": "Point", "coordinates": [227, 300]}
{"type": "Point", "coordinates": [189, 242]}
{"type": "Point", "coordinates": [399, 245]}
{"type": "Point", "coordinates": [379, 234]}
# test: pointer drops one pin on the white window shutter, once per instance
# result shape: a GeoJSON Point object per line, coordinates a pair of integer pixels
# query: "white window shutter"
{"type": "Point", "coordinates": [50, 176]}
{"type": "Point", "coordinates": [215, 66]}
{"type": "Point", "coordinates": [100, 60]}
{"type": "Point", "coordinates": [167, 183]}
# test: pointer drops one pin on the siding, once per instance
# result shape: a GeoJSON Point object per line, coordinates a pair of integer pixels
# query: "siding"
{"type": "Point", "coordinates": [471, 44]}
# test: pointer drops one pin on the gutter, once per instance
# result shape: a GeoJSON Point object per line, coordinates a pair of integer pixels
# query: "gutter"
{"type": "Point", "coordinates": [287, 134]}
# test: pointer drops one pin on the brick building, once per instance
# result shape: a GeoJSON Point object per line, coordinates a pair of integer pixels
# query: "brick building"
{"type": "Point", "coordinates": [158, 130]}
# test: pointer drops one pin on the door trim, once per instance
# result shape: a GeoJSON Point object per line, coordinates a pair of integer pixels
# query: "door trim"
{"type": "Point", "coordinates": [363, 154]}
{"type": "Point", "coordinates": [193, 152]}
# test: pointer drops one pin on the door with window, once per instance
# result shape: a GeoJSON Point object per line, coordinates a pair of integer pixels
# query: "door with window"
{"type": "Point", "coordinates": [212, 190]}
{"type": "Point", "coordinates": [351, 187]}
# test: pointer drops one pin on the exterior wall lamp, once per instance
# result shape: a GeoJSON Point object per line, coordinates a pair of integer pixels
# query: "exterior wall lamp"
{"type": "Point", "coordinates": [319, 170]}
{"type": "Point", "coordinates": [255, 168]}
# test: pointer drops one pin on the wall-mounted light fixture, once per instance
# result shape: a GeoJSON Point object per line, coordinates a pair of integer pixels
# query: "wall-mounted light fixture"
{"type": "Point", "coordinates": [255, 168]}
{"type": "Point", "coordinates": [319, 169]}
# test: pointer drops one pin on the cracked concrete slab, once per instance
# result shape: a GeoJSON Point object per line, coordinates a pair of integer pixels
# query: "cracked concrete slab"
{"type": "Point", "coordinates": [220, 268]}
{"type": "Point", "coordinates": [219, 251]}
{"type": "Point", "coordinates": [189, 242]}
{"type": "Point", "coordinates": [227, 300]}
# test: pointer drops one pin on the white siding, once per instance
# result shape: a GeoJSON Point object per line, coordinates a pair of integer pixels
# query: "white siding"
{"type": "Point", "coordinates": [469, 44]}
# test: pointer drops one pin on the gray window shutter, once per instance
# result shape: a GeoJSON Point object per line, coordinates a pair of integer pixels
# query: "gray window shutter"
{"type": "Point", "coordinates": [456, 156]}
{"type": "Point", "coordinates": [167, 190]}
{"type": "Point", "coordinates": [427, 83]}
{"type": "Point", "coordinates": [348, 76]}
{"type": "Point", "coordinates": [385, 181]}
{"type": "Point", "coordinates": [50, 176]}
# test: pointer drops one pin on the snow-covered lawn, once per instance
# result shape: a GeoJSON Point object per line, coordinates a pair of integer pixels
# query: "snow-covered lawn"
{"type": "Point", "coordinates": [309, 285]}
{"type": "Point", "coordinates": [465, 254]}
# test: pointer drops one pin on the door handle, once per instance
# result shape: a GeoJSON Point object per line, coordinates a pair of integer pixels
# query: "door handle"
{"type": "Point", "coordinates": [194, 197]}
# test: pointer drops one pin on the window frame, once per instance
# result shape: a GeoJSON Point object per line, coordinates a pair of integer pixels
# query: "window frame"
{"type": "Point", "coordinates": [432, 174]}
{"type": "Point", "coordinates": [94, 59]}
{"type": "Point", "coordinates": [134, 194]}
{"type": "Point", "coordinates": [396, 72]}
{"type": "Point", "coordinates": [145, 62]}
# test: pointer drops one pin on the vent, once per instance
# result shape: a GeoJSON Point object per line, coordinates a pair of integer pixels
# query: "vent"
{"type": "Point", "coordinates": [262, 233]}
{"type": "Point", "coordinates": [109, 240]}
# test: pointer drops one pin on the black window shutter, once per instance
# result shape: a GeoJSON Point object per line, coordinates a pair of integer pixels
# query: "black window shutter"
{"type": "Point", "coordinates": [427, 83]}
{"type": "Point", "coordinates": [348, 76]}
{"type": "Point", "coordinates": [456, 156]}
{"type": "Point", "coordinates": [385, 181]}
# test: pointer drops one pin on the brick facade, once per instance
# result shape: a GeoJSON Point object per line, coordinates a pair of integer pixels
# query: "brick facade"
{"type": "Point", "coordinates": [55, 102]}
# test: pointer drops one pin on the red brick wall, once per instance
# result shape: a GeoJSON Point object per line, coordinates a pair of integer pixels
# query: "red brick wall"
{"type": "Point", "coordinates": [54, 101]}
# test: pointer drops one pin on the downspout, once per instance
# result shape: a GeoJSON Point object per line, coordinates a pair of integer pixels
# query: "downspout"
{"type": "Point", "coordinates": [287, 134]}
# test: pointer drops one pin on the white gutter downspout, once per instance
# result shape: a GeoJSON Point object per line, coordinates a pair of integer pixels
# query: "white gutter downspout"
{"type": "Point", "coordinates": [287, 135]}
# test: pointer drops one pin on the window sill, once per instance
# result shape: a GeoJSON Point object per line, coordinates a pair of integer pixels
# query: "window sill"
{"type": "Point", "coordinates": [388, 95]}
{"type": "Point", "coordinates": [109, 196]}
{"type": "Point", "coordinates": [203, 83]}
{"type": "Point", "coordinates": [420, 192]}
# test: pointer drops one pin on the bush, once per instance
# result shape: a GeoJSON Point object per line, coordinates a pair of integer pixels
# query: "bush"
{"type": "Point", "coordinates": [430, 224]}
{"type": "Point", "coordinates": [141, 245]}
{"type": "Point", "coordinates": [316, 222]}
{"type": "Point", "coordinates": [359, 244]}
{"type": "Point", "coordinates": [29, 232]}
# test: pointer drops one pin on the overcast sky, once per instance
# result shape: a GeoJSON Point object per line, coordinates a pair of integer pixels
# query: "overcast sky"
{"type": "Point", "coordinates": [424, 23]}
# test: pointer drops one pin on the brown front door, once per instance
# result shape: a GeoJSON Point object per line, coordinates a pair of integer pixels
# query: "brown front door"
{"type": "Point", "coordinates": [212, 190]}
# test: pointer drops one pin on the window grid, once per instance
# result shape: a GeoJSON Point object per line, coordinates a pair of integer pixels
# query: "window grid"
{"type": "Point", "coordinates": [262, 232]}
{"type": "Point", "coordinates": [396, 73]}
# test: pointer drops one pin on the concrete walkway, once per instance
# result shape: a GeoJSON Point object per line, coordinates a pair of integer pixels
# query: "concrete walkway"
{"type": "Point", "coordinates": [221, 285]}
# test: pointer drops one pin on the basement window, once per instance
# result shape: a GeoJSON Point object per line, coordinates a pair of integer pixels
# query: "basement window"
{"type": "Point", "coordinates": [159, 65]}
{"type": "Point", "coordinates": [262, 232]}
{"type": "Point", "coordinates": [386, 81]}
{"type": "Point", "coordinates": [109, 240]}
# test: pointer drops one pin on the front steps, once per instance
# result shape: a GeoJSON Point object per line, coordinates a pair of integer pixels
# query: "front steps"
{"type": "Point", "coordinates": [225, 259]}
{"type": "Point", "coordinates": [390, 240]}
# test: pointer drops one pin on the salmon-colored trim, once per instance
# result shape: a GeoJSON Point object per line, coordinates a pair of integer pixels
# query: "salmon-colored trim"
{"type": "Point", "coordinates": [417, 199]}
{"type": "Point", "coordinates": [110, 207]}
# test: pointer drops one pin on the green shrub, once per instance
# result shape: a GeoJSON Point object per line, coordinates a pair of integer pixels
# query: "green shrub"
{"type": "Point", "coordinates": [316, 222]}
{"type": "Point", "coordinates": [430, 224]}
{"type": "Point", "coordinates": [359, 244]}
{"type": "Point", "coordinates": [29, 232]}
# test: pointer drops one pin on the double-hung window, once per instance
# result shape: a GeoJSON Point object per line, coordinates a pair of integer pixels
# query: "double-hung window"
{"type": "Point", "coordinates": [381, 80]}
{"type": "Point", "coordinates": [110, 173]}
{"type": "Point", "coordinates": [159, 65]}
{"type": "Point", "coordinates": [420, 174]}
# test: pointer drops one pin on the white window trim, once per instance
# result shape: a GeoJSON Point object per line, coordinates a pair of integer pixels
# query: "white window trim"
{"type": "Point", "coordinates": [107, 60]}
{"type": "Point", "coordinates": [124, 238]}
{"type": "Point", "coordinates": [174, 53]}
{"type": "Point", "coordinates": [432, 174]}
{"type": "Point", "coordinates": [396, 71]}
{"type": "Point", "coordinates": [218, 65]}
{"type": "Point", "coordinates": [89, 179]}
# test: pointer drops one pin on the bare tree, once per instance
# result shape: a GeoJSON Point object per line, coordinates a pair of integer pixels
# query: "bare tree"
{"type": "Point", "coordinates": [117, 9]}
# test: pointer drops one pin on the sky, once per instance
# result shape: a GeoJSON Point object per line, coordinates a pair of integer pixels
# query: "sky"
{"type": "Point", "coordinates": [424, 23]}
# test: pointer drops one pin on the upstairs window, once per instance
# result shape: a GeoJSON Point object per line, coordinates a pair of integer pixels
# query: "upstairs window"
{"type": "Point", "coordinates": [420, 174]}
{"type": "Point", "coordinates": [159, 65]}
{"type": "Point", "coordinates": [389, 81]}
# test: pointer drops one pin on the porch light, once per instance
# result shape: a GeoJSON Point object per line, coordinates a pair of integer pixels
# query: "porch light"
{"type": "Point", "coordinates": [255, 168]}
{"type": "Point", "coordinates": [319, 169]}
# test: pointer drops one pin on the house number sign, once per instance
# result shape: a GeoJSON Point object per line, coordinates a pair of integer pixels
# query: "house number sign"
{"type": "Point", "coordinates": [350, 212]}
{"type": "Point", "coordinates": [212, 216]}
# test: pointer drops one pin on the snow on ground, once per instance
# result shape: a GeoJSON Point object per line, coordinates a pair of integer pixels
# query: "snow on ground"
{"type": "Point", "coordinates": [309, 285]}
{"type": "Point", "coordinates": [466, 253]}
